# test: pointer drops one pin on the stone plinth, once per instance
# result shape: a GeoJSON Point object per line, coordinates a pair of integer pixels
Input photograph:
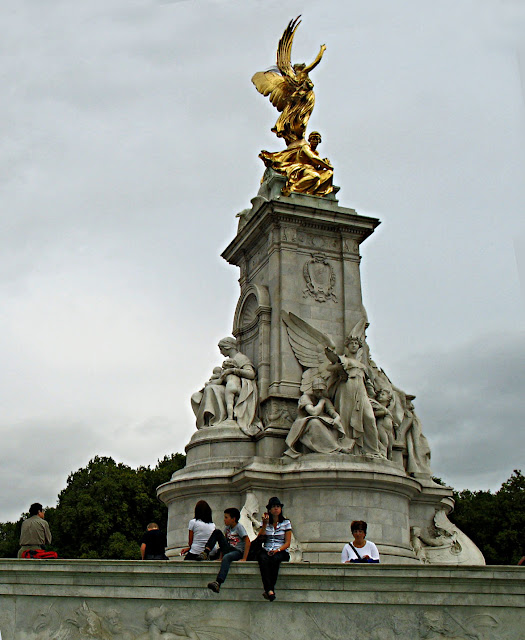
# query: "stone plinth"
{"type": "Point", "coordinates": [322, 495]}
{"type": "Point", "coordinates": [224, 443]}
{"type": "Point", "coordinates": [73, 599]}
{"type": "Point", "coordinates": [300, 301]}
{"type": "Point", "coordinates": [297, 254]}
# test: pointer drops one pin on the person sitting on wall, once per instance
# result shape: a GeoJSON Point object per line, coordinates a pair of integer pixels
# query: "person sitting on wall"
{"type": "Point", "coordinates": [153, 543]}
{"type": "Point", "coordinates": [200, 529]}
{"type": "Point", "coordinates": [361, 550]}
{"type": "Point", "coordinates": [35, 532]}
{"type": "Point", "coordinates": [234, 544]}
{"type": "Point", "coordinates": [277, 533]}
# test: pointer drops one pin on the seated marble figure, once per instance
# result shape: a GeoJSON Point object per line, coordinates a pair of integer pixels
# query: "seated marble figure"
{"type": "Point", "coordinates": [318, 427]}
{"type": "Point", "coordinates": [231, 395]}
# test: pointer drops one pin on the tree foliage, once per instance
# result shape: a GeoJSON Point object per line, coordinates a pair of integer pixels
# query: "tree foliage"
{"type": "Point", "coordinates": [494, 521]}
{"type": "Point", "coordinates": [103, 511]}
{"type": "Point", "coordinates": [106, 506]}
{"type": "Point", "coordinates": [9, 537]}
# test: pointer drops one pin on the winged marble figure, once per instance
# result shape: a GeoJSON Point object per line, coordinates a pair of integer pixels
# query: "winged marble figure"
{"type": "Point", "coordinates": [289, 88]}
{"type": "Point", "coordinates": [346, 376]}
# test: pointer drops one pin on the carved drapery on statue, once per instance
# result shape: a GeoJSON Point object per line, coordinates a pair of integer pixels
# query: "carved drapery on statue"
{"type": "Point", "coordinates": [230, 395]}
{"type": "Point", "coordinates": [304, 169]}
{"type": "Point", "coordinates": [318, 426]}
{"type": "Point", "coordinates": [374, 415]}
{"type": "Point", "coordinates": [289, 87]}
{"type": "Point", "coordinates": [291, 91]}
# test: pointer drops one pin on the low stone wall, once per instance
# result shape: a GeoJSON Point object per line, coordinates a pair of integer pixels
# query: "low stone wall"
{"type": "Point", "coordinates": [131, 600]}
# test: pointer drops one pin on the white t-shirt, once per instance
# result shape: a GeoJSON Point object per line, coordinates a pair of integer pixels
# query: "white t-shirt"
{"type": "Point", "coordinates": [368, 550]}
{"type": "Point", "coordinates": [201, 532]}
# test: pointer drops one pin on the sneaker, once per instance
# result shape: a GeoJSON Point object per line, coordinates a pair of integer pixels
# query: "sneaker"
{"type": "Point", "coordinates": [214, 586]}
{"type": "Point", "coordinates": [203, 555]}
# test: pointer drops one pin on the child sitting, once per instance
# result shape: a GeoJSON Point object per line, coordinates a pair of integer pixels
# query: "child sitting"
{"type": "Point", "coordinates": [234, 545]}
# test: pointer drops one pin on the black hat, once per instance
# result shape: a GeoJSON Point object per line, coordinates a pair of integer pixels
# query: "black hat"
{"type": "Point", "coordinates": [274, 502]}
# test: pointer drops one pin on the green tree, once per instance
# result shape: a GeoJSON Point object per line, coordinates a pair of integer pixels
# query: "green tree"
{"type": "Point", "coordinates": [9, 538]}
{"type": "Point", "coordinates": [494, 521]}
{"type": "Point", "coordinates": [105, 507]}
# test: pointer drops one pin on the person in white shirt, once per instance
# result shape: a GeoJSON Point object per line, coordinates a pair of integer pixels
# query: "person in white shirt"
{"type": "Point", "coordinates": [200, 529]}
{"type": "Point", "coordinates": [361, 549]}
{"type": "Point", "coordinates": [277, 532]}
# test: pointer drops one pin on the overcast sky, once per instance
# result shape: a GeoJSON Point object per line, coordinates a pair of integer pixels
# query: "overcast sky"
{"type": "Point", "coordinates": [129, 139]}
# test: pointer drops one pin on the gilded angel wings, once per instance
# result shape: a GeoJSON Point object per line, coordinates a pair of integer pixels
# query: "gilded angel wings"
{"type": "Point", "coordinates": [289, 87]}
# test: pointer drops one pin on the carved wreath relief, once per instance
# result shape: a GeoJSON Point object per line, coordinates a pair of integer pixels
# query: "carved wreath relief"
{"type": "Point", "coordinates": [320, 278]}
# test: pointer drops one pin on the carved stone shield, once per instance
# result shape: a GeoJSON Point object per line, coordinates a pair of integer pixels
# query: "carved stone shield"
{"type": "Point", "coordinates": [320, 278]}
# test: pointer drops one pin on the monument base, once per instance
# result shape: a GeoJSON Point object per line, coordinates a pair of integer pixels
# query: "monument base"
{"type": "Point", "coordinates": [134, 600]}
{"type": "Point", "coordinates": [322, 494]}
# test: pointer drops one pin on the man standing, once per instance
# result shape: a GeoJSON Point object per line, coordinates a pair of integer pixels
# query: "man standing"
{"type": "Point", "coordinates": [35, 533]}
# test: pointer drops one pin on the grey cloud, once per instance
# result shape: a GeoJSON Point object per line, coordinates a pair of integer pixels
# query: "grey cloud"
{"type": "Point", "coordinates": [472, 405]}
{"type": "Point", "coordinates": [129, 141]}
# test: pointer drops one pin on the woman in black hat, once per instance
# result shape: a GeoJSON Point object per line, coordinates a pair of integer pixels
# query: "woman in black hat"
{"type": "Point", "coordinates": [277, 531]}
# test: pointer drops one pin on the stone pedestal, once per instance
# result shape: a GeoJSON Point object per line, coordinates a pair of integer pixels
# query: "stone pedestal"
{"type": "Point", "coordinates": [299, 258]}
{"type": "Point", "coordinates": [296, 254]}
{"type": "Point", "coordinates": [322, 494]}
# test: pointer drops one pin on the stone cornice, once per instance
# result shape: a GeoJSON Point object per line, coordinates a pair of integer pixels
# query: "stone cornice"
{"type": "Point", "coordinates": [286, 211]}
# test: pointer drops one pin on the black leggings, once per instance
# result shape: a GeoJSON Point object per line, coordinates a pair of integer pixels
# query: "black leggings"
{"type": "Point", "coordinates": [269, 566]}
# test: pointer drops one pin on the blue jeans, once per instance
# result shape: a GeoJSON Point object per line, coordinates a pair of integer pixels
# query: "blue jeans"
{"type": "Point", "coordinates": [229, 553]}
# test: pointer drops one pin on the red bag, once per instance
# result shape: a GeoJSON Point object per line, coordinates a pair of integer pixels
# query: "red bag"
{"type": "Point", "coordinates": [39, 554]}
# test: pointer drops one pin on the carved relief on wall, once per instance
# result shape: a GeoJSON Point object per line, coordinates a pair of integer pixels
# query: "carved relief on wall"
{"type": "Point", "coordinates": [86, 622]}
{"type": "Point", "coordinates": [444, 543]}
{"type": "Point", "coordinates": [352, 246]}
{"type": "Point", "coordinates": [279, 412]}
{"type": "Point", "coordinates": [288, 234]}
{"type": "Point", "coordinates": [420, 623]}
{"type": "Point", "coordinates": [316, 241]}
{"type": "Point", "coordinates": [320, 278]}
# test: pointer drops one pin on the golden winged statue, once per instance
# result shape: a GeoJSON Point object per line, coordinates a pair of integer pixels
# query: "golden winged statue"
{"type": "Point", "coordinates": [290, 89]}
{"type": "Point", "coordinates": [292, 92]}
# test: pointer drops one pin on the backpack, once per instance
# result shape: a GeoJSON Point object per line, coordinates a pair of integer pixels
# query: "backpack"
{"type": "Point", "coordinates": [39, 554]}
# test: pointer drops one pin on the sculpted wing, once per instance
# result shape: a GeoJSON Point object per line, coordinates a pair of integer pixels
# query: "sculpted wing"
{"type": "Point", "coordinates": [284, 49]}
{"type": "Point", "coordinates": [272, 83]}
{"type": "Point", "coordinates": [279, 83]}
{"type": "Point", "coordinates": [308, 345]}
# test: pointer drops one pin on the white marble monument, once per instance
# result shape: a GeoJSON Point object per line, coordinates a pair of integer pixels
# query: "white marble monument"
{"type": "Point", "coordinates": [298, 408]}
